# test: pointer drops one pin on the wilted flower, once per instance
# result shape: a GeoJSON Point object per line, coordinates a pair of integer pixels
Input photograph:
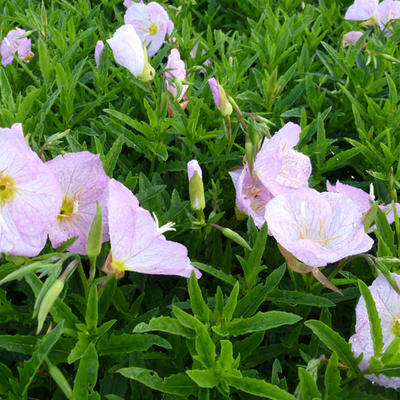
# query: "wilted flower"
{"type": "Point", "coordinates": [137, 242]}
{"type": "Point", "coordinates": [151, 23]}
{"type": "Point", "coordinates": [30, 196]}
{"type": "Point", "coordinates": [221, 101]}
{"type": "Point", "coordinates": [130, 53]}
{"type": "Point", "coordinates": [13, 43]}
{"type": "Point", "coordinates": [317, 228]}
{"type": "Point", "coordinates": [363, 199]}
{"type": "Point", "coordinates": [373, 12]}
{"type": "Point", "coordinates": [97, 52]}
{"type": "Point", "coordinates": [251, 195]}
{"type": "Point", "coordinates": [351, 38]}
{"type": "Point", "coordinates": [279, 167]}
{"type": "Point", "coordinates": [196, 188]}
{"type": "Point", "coordinates": [388, 306]}
{"type": "Point", "coordinates": [83, 182]}
{"type": "Point", "coordinates": [175, 69]}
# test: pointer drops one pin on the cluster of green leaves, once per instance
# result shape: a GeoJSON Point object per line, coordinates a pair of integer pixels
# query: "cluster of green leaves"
{"type": "Point", "coordinates": [255, 328]}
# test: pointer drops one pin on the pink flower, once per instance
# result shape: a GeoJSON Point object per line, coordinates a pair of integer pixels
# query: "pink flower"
{"type": "Point", "coordinates": [12, 44]}
{"type": "Point", "coordinates": [317, 228]}
{"type": "Point", "coordinates": [83, 182]}
{"type": "Point", "coordinates": [251, 195]}
{"type": "Point", "coordinates": [30, 196]}
{"type": "Point", "coordinates": [97, 52]}
{"type": "Point", "coordinates": [280, 168]}
{"type": "Point", "coordinates": [127, 3]}
{"type": "Point", "coordinates": [151, 23]}
{"type": "Point", "coordinates": [373, 12]}
{"type": "Point", "coordinates": [388, 306]}
{"type": "Point", "coordinates": [129, 52]}
{"type": "Point", "coordinates": [175, 69]}
{"type": "Point", "coordinates": [137, 242]}
{"type": "Point", "coordinates": [351, 38]}
{"type": "Point", "coordinates": [363, 199]}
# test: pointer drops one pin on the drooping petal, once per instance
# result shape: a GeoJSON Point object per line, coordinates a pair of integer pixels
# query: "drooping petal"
{"type": "Point", "coordinates": [351, 38]}
{"type": "Point", "coordinates": [127, 49]}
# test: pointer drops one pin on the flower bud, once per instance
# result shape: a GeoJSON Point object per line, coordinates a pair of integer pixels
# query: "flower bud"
{"type": "Point", "coordinates": [95, 235]}
{"type": "Point", "coordinates": [232, 235]}
{"type": "Point", "coordinates": [48, 301]}
{"type": "Point", "coordinates": [148, 71]}
{"type": "Point", "coordinates": [220, 98]}
{"type": "Point", "coordinates": [196, 188]}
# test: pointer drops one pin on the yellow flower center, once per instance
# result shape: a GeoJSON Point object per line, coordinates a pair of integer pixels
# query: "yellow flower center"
{"type": "Point", "coordinates": [118, 265]}
{"type": "Point", "coordinates": [7, 189]}
{"type": "Point", "coordinates": [67, 209]}
{"type": "Point", "coordinates": [153, 29]}
{"type": "Point", "coordinates": [395, 326]}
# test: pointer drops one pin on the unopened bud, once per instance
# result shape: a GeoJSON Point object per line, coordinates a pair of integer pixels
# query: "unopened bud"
{"type": "Point", "coordinates": [196, 188]}
{"type": "Point", "coordinates": [95, 236]}
{"type": "Point", "coordinates": [48, 301]}
{"type": "Point", "coordinates": [232, 235]}
{"type": "Point", "coordinates": [220, 98]}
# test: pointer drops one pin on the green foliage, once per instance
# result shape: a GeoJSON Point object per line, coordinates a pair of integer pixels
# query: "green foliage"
{"type": "Point", "coordinates": [250, 327]}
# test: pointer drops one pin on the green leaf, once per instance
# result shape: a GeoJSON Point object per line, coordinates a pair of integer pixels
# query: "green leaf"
{"type": "Point", "coordinates": [44, 62]}
{"type": "Point", "coordinates": [250, 303]}
{"type": "Point", "coordinates": [111, 158]}
{"type": "Point", "coordinates": [216, 273]}
{"type": "Point", "coordinates": [294, 298]}
{"type": "Point", "coordinates": [178, 384]}
{"type": "Point", "coordinates": [18, 343]}
{"type": "Point", "coordinates": [392, 353]}
{"type": "Point", "coordinates": [92, 309]}
{"type": "Point", "coordinates": [60, 379]}
{"type": "Point", "coordinates": [204, 378]}
{"type": "Point", "coordinates": [258, 387]}
{"type": "Point", "coordinates": [128, 343]}
{"type": "Point", "coordinates": [86, 377]}
{"type": "Point", "coordinates": [262, 321]}
{"type": "Point", "coordinates": [231, 303]}
{"type": "Point", "coordinates": [373, 317]}
{"type": "Point", "coordinates": [44, 346]}
{"type": "Point", "coordinates": [332, 378]}
{"type": "Point", "coordinates": [80, 347]}
{"type": "Point", "coordinates": [165, 324]}
{"type": "Point", "coordinates": [309, 389]}
{"type": "Point", "coordinates": [199, 307]}
{"type": "Point", "coordinates": [385, 231]}
{"type": "Point", "coordinates": [334, 342]}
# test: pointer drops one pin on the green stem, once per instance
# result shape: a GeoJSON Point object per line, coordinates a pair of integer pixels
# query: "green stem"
{"type": "Point", "coordinates": [92, 270]}
{"type": "Point", "coordinates": [83, 279]}
{"type": "Point", "coordinates": [153, 95]}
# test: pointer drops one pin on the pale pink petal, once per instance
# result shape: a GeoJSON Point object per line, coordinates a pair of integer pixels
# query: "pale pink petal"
{"type": "Point", "coordinates": [280, 168]}
{"type": "Point", "coordinates": [83, 180]}
{"type": "Point", "coordinates": [351, 38]}
{"type": "Point", "coordinates": [26, 216]}
{"type": "Point", "coordinates": [192, 167]}
{"type": "Point", "coordinates": [362, 10]}
{"type": "Point", "coordinates": [214, 90]}
{"type": "Point", "coordinates": [317, 228]}
{"type": "Point", "coordinates": [136, 243]}
{"type": "Point", "coordinates": [97, 52]}
{"type": "Point", "coordinates": [127, 49]}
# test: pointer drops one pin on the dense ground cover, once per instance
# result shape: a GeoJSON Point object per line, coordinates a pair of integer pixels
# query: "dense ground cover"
{"type": "Point", "coordinates": [252, 326]}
